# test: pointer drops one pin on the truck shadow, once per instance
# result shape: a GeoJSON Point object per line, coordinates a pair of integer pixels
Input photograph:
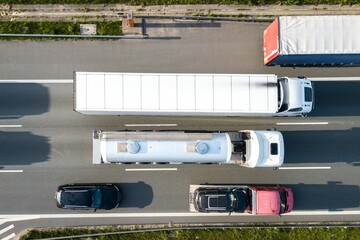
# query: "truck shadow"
{"type": "Point", "coordinates": [337, 98]}
{"type": "Point", "coordinates": [23, 148]}
{"type": "Point", "coordinates": [333, 196]}
{"type": "Point", "coordinates": [135, 195]}
{"type": "Point", "coordinates": [322, 146]}
{"type": "Point", "coordinates": [19, 99]}
{"type": "Point", "coordinates": [180, 24]}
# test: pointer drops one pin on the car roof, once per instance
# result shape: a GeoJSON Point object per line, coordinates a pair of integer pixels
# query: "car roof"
{"type": "Point", "coordinates": [216, 200]}
{"type": "Point", "coordinates": [78, 197]}
{"type": "Point", "coordinates": [94, 195]}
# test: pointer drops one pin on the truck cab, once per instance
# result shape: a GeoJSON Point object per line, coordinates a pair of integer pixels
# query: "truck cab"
{"type": "Point", "coordinates": [271, 200]}
{"type": "Point", "coordinates": [296, 96]}
{"type": "Point", "coordinates": [262, 149]}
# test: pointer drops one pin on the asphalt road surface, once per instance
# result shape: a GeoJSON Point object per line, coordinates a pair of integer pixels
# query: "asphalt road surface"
{"type": "Point", "coordinates": [44, 143]}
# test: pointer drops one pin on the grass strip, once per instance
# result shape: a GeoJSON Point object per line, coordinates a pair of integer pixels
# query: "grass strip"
{"type": "Point", "coordinates": [175, 2]}
{"type": "Point", "coordinates": [319, 233]}
{"type": "Point", "coordinates": [57, 28]}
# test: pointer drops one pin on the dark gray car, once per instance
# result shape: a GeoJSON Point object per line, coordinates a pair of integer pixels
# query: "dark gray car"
{"type": "Point", "coordinates": [88, 196]}
{"type": "Point", "coordinates": [221, 200]}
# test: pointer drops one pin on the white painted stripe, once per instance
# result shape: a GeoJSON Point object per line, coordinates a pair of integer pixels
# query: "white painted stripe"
{"type": "Point", "coordinates": [11, 171]}
{"type": "Point", "coordinates": [14, 218]}
{"type": "Point", "coordinates": [149, 169]}
{"type": "Point", "coordinates": [302, 123]}
{"type": "Point", "coordinates": [322, 213]}
{"type": "Point", "coordinates": [152, 125]}
{"type": "Point", "coordinates": [38, 81]}
{"type": "Point", "coordinates": [304, 168]}
{"type": "Point", "coordinates": [6, 229]}
{"type": "Point", "coordinates": [11, 126]}
{"type": "Point", "coordinates": [11, 236]}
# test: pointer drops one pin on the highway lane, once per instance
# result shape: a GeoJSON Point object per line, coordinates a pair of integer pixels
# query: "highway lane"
{"type": "Point", "coordinates": [41, 135]}
{"type": "Point", "coordinates": [50, 105]}
{"type": "Point", "coordinates": [154, 192]}
{"type": "Point", "coordinates": [55, 148]}
{"type": "Point", "coordinates": [200, 47]}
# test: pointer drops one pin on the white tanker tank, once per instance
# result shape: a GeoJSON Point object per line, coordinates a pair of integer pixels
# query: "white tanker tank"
{"type": "Point", "coordinates": [246, 148]}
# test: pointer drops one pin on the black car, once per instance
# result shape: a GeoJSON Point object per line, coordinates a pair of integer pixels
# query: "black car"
{"type": "Point", "coordinates": [88, 196]}
{"type": "Point", "coordinates": [221, 200]}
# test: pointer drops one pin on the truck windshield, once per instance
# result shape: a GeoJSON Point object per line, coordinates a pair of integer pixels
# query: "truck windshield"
{"type": "Point", "coordinates": [283, 96]}
{"type": "Point", "coordinates": [308, 94]}
{"type": "Point", "coordinates": [283, 200]}
{"type": "Point", "coordinates": [274, 148]}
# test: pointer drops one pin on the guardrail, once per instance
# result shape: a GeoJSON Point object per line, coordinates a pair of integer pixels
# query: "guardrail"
{"type": "Point", "coordinates": [77, 36]}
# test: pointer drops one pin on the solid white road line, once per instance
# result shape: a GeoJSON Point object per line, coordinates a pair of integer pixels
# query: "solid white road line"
{"type": "Point", "coordinates": [149, 169]}
{"type": "Point", "coordinates": [6, 229]}
{"type": "Point", "coordinates": [11, 126]}
{"type": "Point", "coordinates": [11, 236]}
{"type": "Point", "coordinates": [11, 171]}
{"type": "Point", "coordinates": [304, 168]}
{"type": "Point", "coordinates": [302, 123]}
{"type": "Point", "coordinates": [152, 125]}
{"type": "Point", "coordinates": [14, 218]}
{"type": "Point", "coordinates": [38, 81]}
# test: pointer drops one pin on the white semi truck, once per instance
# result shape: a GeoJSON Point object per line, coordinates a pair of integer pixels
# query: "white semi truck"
{"type": "Point", "coordinates": [102, 93]}
{"type": "Point", "coordinates": [246, 148]}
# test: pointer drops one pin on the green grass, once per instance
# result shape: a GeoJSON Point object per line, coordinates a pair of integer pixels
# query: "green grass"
{"type": "Point", "coordinates": [63, 28]}
{"type": "Point", "coordinates": [336, 233]}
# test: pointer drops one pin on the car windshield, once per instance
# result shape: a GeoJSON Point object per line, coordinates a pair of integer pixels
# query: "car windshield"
{"type": "Point", "coordinates": [283, 201]}
{"type": "Point", "coordinates": [96, 198]}
{"type": "Point", "coordinates": [231, 201]}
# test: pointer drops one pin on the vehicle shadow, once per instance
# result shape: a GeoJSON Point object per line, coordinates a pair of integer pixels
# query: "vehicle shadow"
{"type": "Point", "coordinates": [145, 25]}
{"type": "Point", "coordinates": [322, 146]}
{"type": "Point", "coordinates": [22, 148]}
{"type": "Point", "coordinates": [19, 99]}
{"type": "Point", "coordinates": [333, 196]}
{"type": "Point", "coordinates": [182, 24]}
{"type": "Point", "coordinates": [135, 195]}
{"type": "Point", "coordinates": [336, 98]}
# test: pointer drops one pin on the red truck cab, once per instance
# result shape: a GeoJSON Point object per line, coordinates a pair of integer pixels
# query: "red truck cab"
{"type": "Point", "coordinates": [271, 200]}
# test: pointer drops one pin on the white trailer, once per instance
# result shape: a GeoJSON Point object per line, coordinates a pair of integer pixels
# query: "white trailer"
{"type": "Point", "coordinates": [246, 148]}
{"type": "Point", "coordinates": [101, 93]}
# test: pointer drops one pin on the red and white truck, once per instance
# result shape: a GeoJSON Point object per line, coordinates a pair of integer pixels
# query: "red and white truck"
{"type": "Point", "coordinates": [326, 40]}
{"type": "Point", "coordinates": [255, 200]}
